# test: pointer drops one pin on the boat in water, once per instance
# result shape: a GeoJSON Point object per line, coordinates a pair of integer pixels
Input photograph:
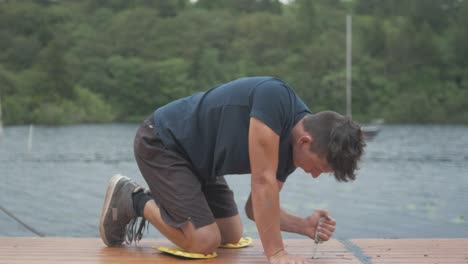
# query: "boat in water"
{"type": "Point", "coordinates": [370, 132]}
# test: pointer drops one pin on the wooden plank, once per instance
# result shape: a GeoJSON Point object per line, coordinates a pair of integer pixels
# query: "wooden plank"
{"type": "Point", "coordinates": [414, 251]}
{"type": "Point", "coordinates": [57, 250]}
{"type": "Point", "coordinates": [92, 250]}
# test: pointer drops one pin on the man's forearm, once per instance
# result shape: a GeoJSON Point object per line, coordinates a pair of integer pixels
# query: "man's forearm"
{"type": "Point", "coordinates": [288, 222]}
{"type": "Point", "coordinates": [265, 203]}
{"type": "Point", "coordinates": [292, 223]}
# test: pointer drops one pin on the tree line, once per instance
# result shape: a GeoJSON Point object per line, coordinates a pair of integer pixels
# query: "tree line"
{"type": "Point", "coordinates": [65, 61]}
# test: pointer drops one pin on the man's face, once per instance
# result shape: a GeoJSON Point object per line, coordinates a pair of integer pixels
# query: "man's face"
{"type": "Point", "coordinates": [307, 160]}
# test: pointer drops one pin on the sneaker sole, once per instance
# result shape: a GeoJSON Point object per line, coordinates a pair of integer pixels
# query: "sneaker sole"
{"type": "Point", "coordinates": [105, 208]}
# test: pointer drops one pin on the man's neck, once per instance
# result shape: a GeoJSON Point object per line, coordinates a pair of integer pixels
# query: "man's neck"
{"type": "Point", "coordinates": [297, 131]}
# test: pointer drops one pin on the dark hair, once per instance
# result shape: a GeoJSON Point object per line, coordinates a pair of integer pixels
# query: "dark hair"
{"type": "Point", "coordinates": [338, 138]}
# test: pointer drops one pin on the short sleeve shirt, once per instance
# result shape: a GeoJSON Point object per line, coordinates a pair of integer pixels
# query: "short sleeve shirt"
{"type": "Point", "coordinates": [210, 129]}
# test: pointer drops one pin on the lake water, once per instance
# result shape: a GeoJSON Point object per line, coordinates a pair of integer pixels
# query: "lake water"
{"type": "Point", "coordinates": [413, 182]}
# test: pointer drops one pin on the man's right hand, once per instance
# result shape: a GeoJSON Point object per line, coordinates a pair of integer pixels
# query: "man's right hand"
{"type": "Point", "coordinates": [283, 257]}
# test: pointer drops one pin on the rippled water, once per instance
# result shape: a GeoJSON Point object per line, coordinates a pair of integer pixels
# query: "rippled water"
{"type": "Point", "coordinates": [413, 182]}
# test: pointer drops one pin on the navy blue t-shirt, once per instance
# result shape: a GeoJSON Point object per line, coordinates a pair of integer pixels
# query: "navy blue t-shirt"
{"type": "Point", "coordinates": [210, 129]}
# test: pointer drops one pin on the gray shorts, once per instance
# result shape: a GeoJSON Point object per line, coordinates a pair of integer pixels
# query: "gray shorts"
{"type": "Point", "coordinates": [179, 193]}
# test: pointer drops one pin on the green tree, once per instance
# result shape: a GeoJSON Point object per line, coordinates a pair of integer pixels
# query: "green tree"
{"type": "Point", "coordinates": [242, 6]}
{"type": "Point", "coordinates": [112, 60]}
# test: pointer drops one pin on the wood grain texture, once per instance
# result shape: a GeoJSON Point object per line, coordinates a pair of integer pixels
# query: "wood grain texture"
{"type": "Point", "coordinates": [91, 250]}
{"type": "Point", "coordinates": [55, 250]}
{"type": "Point", "coordinates": [415, 251]}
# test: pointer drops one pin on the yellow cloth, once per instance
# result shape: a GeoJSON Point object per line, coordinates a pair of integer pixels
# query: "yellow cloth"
{"type": "Point", "coordinates": [243, 242]}
{"type": "Point", "coordinates": [180, 253]}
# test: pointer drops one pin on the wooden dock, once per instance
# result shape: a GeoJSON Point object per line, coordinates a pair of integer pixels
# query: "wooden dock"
{"type": "Point", "coordinates": [55, 250]}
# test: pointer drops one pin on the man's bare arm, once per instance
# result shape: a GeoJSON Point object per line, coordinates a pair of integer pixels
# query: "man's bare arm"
{"type": "Point", "coordinates": [263, 154]}
{"type": "Point", "coordinates": [288, 222]}
{"type": "Point", "coordinates": [299, 225]}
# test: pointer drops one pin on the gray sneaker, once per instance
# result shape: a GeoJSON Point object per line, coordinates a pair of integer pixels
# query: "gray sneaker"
{"type": "Point", "coordinates": [118, 217]}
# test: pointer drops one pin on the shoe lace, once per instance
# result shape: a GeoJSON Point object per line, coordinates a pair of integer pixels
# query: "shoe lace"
{"type": "Point", "coordinates": [134, 230]}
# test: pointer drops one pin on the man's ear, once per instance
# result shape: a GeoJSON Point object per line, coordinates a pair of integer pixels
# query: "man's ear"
{"type": "Point", "coordinates": [306, 139]}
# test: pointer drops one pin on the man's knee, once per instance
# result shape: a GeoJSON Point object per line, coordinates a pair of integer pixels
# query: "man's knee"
{"type": "Point", "coordinates": [203, 240]}
{"type": "Point", "coordinates": [230, 229]}
{"type": "Point", "coordinates": [232, 237]}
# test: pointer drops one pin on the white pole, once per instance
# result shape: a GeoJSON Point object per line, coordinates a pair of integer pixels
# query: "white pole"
{"type": "Point", "coordinates": [348, 65]}
{"type": "Point", "coordinates": [1, 122]}
{"type": "Point", "coordinates": [30, 138]}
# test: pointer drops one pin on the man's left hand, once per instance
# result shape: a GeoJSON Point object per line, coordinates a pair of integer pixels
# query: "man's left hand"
{"type": "Point", "coordinates": [324, 223]}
